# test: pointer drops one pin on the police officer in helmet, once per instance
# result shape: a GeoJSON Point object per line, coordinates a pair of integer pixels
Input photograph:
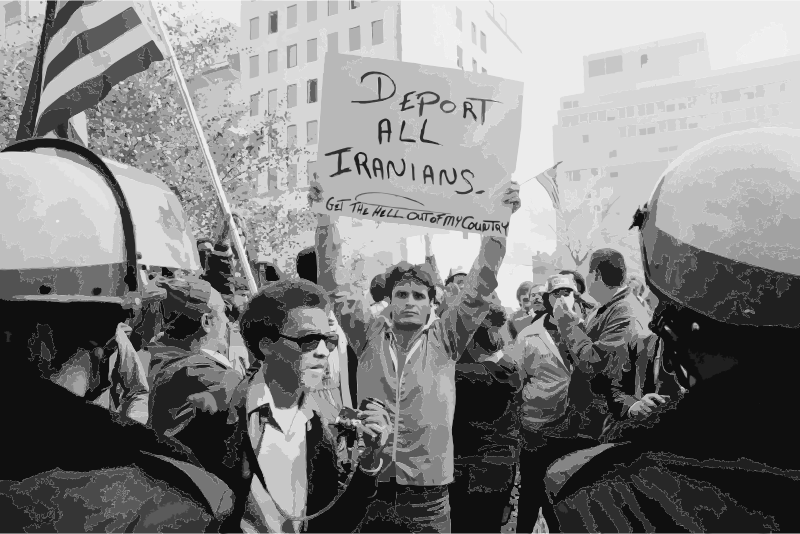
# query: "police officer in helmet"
{"type": "Point", "coordinates": [720, 241]}
{"type": "Point", "coordinates": [68, 278]}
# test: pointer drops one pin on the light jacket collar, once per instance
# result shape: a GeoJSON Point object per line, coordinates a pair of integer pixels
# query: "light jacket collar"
{"type": "Point", "coordinates": [258, 395]}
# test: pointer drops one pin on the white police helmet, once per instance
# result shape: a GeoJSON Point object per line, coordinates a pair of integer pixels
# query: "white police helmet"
{"type": "Point", "coordinates": [721, 232]}
{"type": "Point", "coordinates": [68, 234]}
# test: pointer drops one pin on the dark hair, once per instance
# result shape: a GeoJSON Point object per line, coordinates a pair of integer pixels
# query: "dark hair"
{"type": "Point", "coordinates": [610, 265]}
{"type": "Point", "coordinates": [265, 315]}
{"type": "Point", "coordinates": [182, 331]}
{"type": "Point", "coordinates": [204, 240]}
{"type": "Point", "coordinates": [405, 271]}
{"type": "Point", "coordinates": [580, 281]}
{"type": "Point", "coordinates": [377, 288]}
{"type": "Point", "coordinates": [307, 264]}
{"type": "Point", "coordinates": [43, 336]}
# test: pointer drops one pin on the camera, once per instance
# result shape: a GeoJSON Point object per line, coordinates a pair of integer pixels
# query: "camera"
{"type": "Point", "coordinates": [349, 420]}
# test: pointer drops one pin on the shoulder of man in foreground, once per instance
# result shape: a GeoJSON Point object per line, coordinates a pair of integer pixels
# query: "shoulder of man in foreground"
{"type": "Point", "coordinates": [118, 476]}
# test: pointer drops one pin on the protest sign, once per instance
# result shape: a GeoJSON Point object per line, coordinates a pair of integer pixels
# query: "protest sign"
{"type": "Point", "coordinates": [414, 144]}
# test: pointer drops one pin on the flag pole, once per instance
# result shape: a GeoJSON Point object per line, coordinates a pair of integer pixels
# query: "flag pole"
{"type": "Point", "coordinates": [226, 209]}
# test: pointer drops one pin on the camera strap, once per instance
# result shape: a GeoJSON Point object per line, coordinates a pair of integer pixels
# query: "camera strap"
{"type": "Point", "coordinates": [252, 458]}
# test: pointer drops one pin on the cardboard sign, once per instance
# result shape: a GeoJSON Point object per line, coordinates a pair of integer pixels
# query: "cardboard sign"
{"type": "Point", "coordinates": [412, 144]}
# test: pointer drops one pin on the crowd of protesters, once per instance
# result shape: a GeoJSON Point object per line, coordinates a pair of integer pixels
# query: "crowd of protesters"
{"type": "Point", "coordinates": [416, 409]}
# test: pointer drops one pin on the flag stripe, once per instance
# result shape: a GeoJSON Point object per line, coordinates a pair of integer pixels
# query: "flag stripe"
{"type": "Point", "coordinates": [91, 41]}
{"type": "Point", "coordinates": [90, 16]}
{"type": "Point", "coordinates": [63, 15]}
{"type": "Point", "coordinates": [95, 64]}
{"type": "Point", "coordinates": [551, 187]}
{"type": "Point", "coordinates": [90, 92]}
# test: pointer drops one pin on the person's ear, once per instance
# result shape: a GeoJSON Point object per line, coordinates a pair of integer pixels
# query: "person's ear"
{"type": "Point", "coordinates": [206, 321]}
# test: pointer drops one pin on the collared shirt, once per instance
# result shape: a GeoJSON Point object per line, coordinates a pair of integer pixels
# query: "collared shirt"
{"type": "Point", "coordinates": [216, 356]}
{"type": "Point", "coordinates": [281, 450]}
{"type": "Point", "coordinates": [420, 397]}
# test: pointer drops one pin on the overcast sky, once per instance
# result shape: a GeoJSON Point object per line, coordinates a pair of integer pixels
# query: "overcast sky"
{"type": "Point", "coordinates": [554, 37]}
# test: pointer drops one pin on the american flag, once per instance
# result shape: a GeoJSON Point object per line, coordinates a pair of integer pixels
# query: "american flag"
{"type": "Point", "coordinates": [548, 181]}
{"type": "Point", "coordinates": [86, 48]}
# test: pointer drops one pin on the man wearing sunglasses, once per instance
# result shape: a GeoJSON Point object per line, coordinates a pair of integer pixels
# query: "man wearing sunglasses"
{"type": "Point", "coordinates": [286, 431]}
{"type": "Point", "coordinates": [407, 359]}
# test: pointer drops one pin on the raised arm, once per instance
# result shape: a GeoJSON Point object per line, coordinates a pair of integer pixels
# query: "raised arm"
{"type": "Point", "coordinates": [460, 320]}
{"type": "Point", "coordinates": [351, 311]}
{"type": "Point", "coordinates": [430, 259]}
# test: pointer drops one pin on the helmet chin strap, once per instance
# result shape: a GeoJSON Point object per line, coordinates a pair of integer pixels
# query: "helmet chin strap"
{"type": "Point", "coordinates": [671, 361]}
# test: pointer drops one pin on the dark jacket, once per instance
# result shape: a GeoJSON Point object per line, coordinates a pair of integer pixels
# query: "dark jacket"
{"type": "Point", "coordinates": [327, 474]}
{"type": "Point", "coordinates": [605, 350]}
{"type": "Point", "coordinates": [713, 460]}
{"type": "Point", "coordinates": [189, 401]}
{"type": "Point", "coordinates": [486, 419]}
{"type": "Point", "coordinates": [71, 467]}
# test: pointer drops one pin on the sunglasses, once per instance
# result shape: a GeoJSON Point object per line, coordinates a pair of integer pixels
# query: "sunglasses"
{"type": "Point", "coordinates": [311, 341]}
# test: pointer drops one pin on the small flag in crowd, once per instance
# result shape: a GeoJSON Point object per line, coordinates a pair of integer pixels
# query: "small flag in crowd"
{"type": "Point", "coordinates": [548, 181]}
{"type": "Point", "coordinates": [86, 48]}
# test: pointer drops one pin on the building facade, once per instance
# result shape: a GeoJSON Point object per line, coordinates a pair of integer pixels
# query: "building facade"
{"type": "Point", "coordinates": [645, 105]}
{"type": "Point", "coordinates": [282, 55]}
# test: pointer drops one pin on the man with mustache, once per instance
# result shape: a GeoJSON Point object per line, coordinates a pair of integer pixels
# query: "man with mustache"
{"type": "Point", "coordinates": [407, 360]}
{"type": "Point", "coordinates": [531, 308]}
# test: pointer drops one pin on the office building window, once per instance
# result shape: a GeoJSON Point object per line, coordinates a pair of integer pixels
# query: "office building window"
{"type": "Point", "coordinates": [643, 60]}
{"type": "Point", "coordinates": [272, 101]}
{"type": "Point", "coordinates": [291, 16]}
{"type": "Point", "coordinates": [651, 108]}
{"type": "Point", "coordinates": [726, 117]}
{"type": "Point", "coordinates": [310, 168]}
{"type": "Point", "coordinates": [272, 61]}
{"type": "Point", "coordinates": [692, 125]}
{"type": "Point", "coordinates": [623, 131]}
{"type": "Point", "coordinates": [291, 135]}
{"type": "Point", "coordinates": [484, 71]}
{"type": "Point", "coordinates": [254, 66]}
{"type": "Point", "coordinates": [632, 130]}
{"type": "Point", "coordinates": [609, 65]}
{"type": "Point", "coordinates": [574, 176]}
{"type": "Point", "coordinates": [311, 50]}
{"type": "Point", "coordinates": [355, 38]}
{"type": "Point", "coordinates": [460, 61]}
{"type": "Point", "coordinates": [574, 103]}
{"type": "Point", "coordinates": [614, 174]}
{"type": "Point", "coordinates": [291, 96]}
{"type": "Point", "coordinates": [670, 107]}
{"type": "Point", "coordinates": [775, 108]}
{"type": "Point", "coordinates": [13, 12]}
{"type": "Point", "coordinates": [458, 18]}
{"type": "Point", "coordinates": [751, 114]}
{"type": "Point", "coordinates": [612, 154]}
{"type": "Point", "coordinates": [601, 115]}
{"type": "Point", "coordinates": [292, 176]}
{"type": "Point", "coordinates": [333, 42]}
{"type": "Point", "coordinates": [272, 180]}
{"type": "Point", "coordinates": [593, 116]}
{"type": "Point", "coordinates": [254, 28]}
{"type": "Point", "coordinates": [585, 138]}
{"type": "Point", "coordinates": [584, 117]}
{"type": "Point", "coordinates": [566, 105]}
{"type": "Point", "coordinates": [354, 4]}
{"type": "Point", "coordinates": [474, 66]}
{"type": "Point", "coordinates": [311, 132]}
{"type": "Point", "coordinates": [783, 87]}
{"type": "Point", "coordinates": [311, 11]}
{"type": "Point", "coordinates": [273, 22]}
{"type": "Point", "coordinates": [759, 91]}
{"type": "Point", "coordinates": [474, 34]}
{"type": "Point", "coordinates": [663, 149]}
{"type": "Point", "coordinates": [483, 41]}
{"type": "Point", "coordinates": [291, 56]}
{"type": "Point", "coordinates": [254, 105]}
{"type": "Point", "coordinates": [377, 32]}
{"type": "Point", "coordinates": [312, 91]}
{"type": "Point", "coordinates": [673, 148]}
{"type": "Point", "coordinates": [333, 7]}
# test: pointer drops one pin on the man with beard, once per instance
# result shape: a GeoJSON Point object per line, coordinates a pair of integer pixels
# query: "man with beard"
{"type": "Point", "coordinates": [407, 361]}
{"type": "Point", "coordinates": [722, 457]}
{"type": "Point", "coordinates": [486, 449]}
{"type": "Point", "coordinates": [286, 426]}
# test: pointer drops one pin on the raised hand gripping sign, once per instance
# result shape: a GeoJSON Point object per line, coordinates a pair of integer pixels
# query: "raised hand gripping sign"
{"type": "Point", "coordinates": [413, 144]}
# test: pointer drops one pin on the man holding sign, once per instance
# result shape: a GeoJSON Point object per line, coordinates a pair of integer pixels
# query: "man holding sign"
{"type": "Point", "coordinates": [415, 144]}
{"type": "Point", "coordinates": [407, 359]}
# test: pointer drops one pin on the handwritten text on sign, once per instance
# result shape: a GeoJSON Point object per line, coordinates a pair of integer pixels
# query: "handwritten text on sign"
{"type": "Point", "coordinates": [417, 145]}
